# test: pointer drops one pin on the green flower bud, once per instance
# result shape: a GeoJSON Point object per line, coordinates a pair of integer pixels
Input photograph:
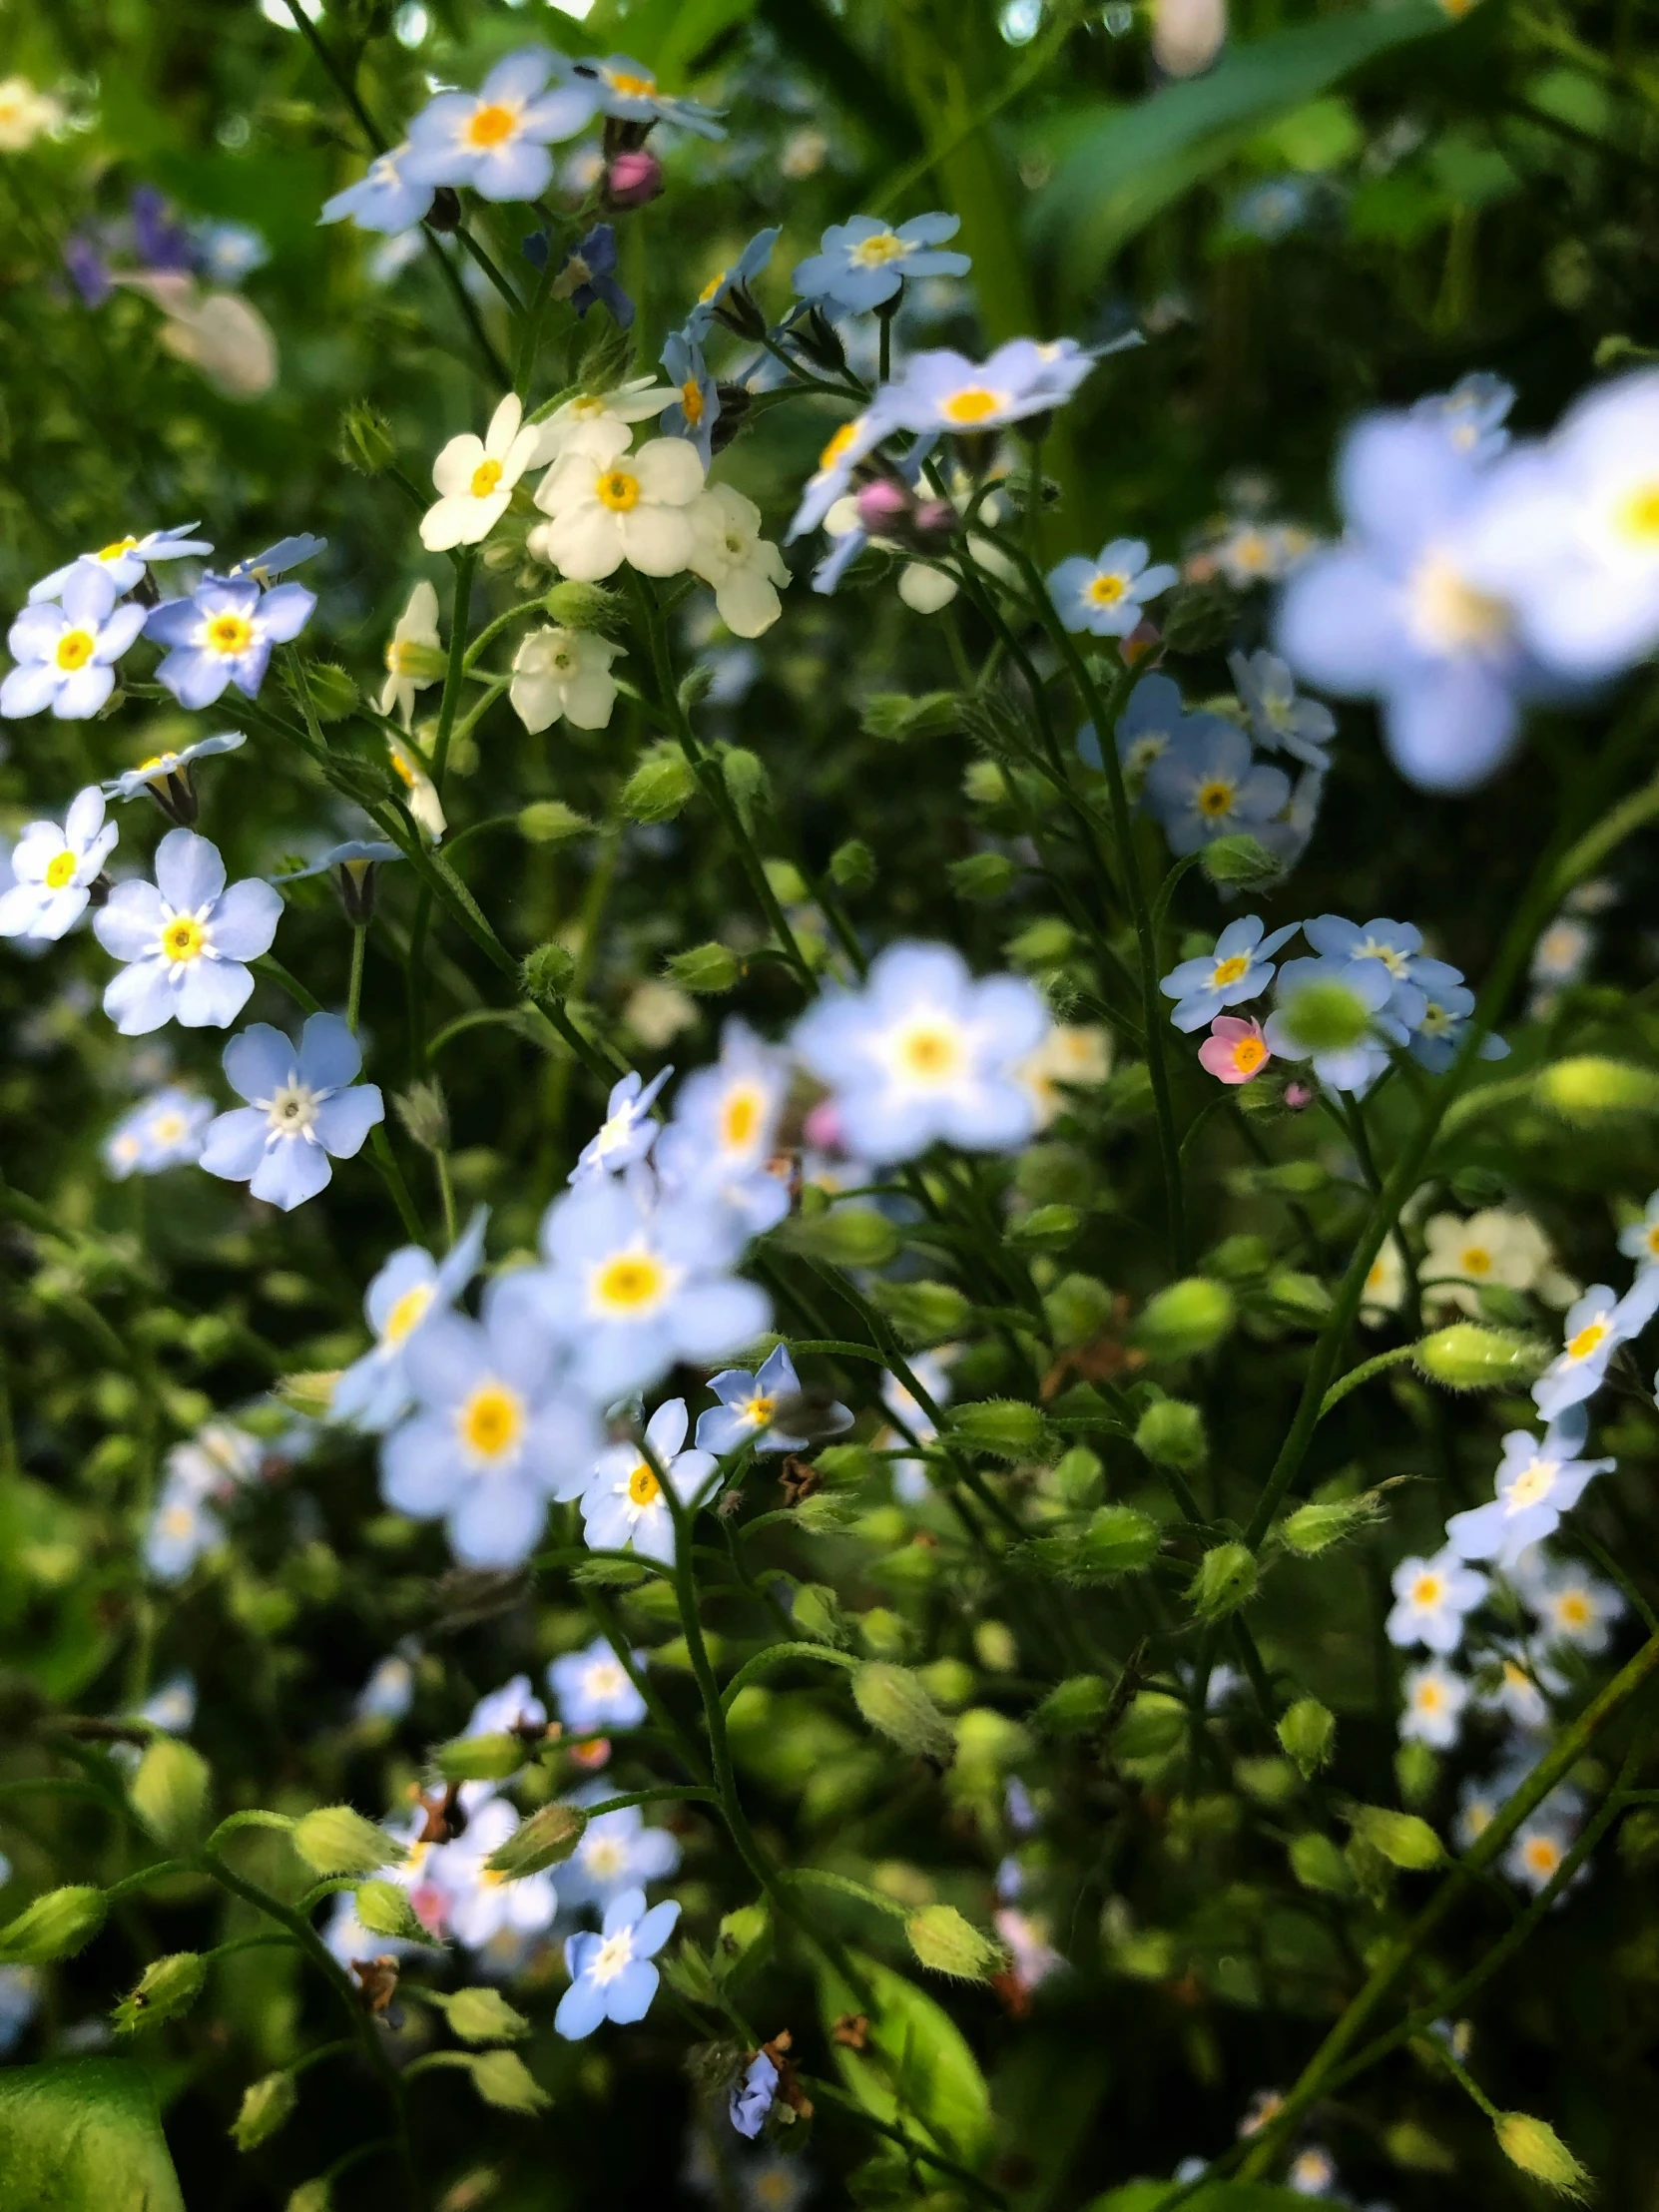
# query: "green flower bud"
{"type": "Point", "coordinates": [480, 1757]}
{"type": "Point", "coordinates": [1003, 1428]}
{"type": "Point", "coordinates": [923, 1313]}
{"type": "Point", "coordinates": [1416, 1771]}
{"type": "Point", "coordinates": [1078, 1476]}
{"type": "Point", "coordinates": [1238, 1259]}
{"type": "Point", "coordinates": [844, 1466]}
{"type": "Point", "coordinates": [853, 865]}
{"type": "Point", "coordinates": [1074, 1705]}
{"type": "Point", "coordinates": [691, 1974]}
{"type": "Point", "coordinates": [883, 1632]}
{"type": "Point", "coordinates": [706, 968]}
{"type": "Point", "coordinates": [785, 881]}
{"type": "Point", "coordinates": [995, 1647]}
{"type": "Point", "coordinates": [311, 2196]}
{"type": "Point", "coordinates": [1046, 1229]}
{"type": "Point", "coordinates": [895, 1703]}
{"type": "Point", "coordinates": [167, 1987]}
{"type": "Point", "coordinates": [365, 441]}
{"type": "Point", "coordinates": [949, 1682]}
{"type": "Point", "coordinates": [1468, 1357]}
{"type": "Point", "coordinates": [170, 1791]}
{"type": "Point", "coordinates": [1115, 1540]}
{"type": "Point", "coordinates": [1187, 1318]}
{"type": "Point", "coordinates": [424, 1113]}
{"type": "Point", "coordinates": [55, 1925]}
{"type": "Point", "coordinates": [816, 1612]}
{"type": "Point", "coordinates": [1226, 1579]}
{"type": "Point", "coordinates": [1171, 1434]}
{"type": "Point", "coordinates": [1324, 1017]}
{"type": "Point", "coordinates": [897, 717]}
{"type": "Point", "coordinates": [1315, 1527]}
{"type": "Point", "coordinates": [659, 785]}
{"type": "Point", "coordinates": [1298, 1297]}
{"type": "Point", "coordinates": [384, 1910]}
{"type": "Point", "coordinates": [1043, 944]}
{"type": "Point", "coordinates": [266, 2105]}
{"type": "Point", "coordinates": [984, 785]}
{"type": "Point", "coordinates": [483, 2015]}
{"type": "Point", "coordinates": [1536, 2149]}
{"type": "Point", "coordinates": [746, 781]}
{"type": "Point", "coordinates": [1077, 1309]}
{"type": "Point", "coordinates": [1401, 1837]}
{"type": "Point", "coordinates": [845, 1236]}
{"type": "Point", "coordinates": [548, 972]}
{"type": "Point", "coordinates": [1590, 1088]}
{"type": "Point", "coordinates": [584, 607]}
{"type": "Point", "coordinates": [1235, 861]}
{"type": "Point", "coordinates": [982, 876]}
{"type": "Point", "coordinates": [545, 1839]}
{"type": "Point", "coordinates": [1308, 1732]}
{"type": "Point", "coordinates": [551, 822]}
{"type": "Point", "coordinates": [1317, 1864]}
{"type": "Point", "coordinates": [503, 2080]}
{"type": "Point", "coordinates": [950, 1944]}
{"type": "Point", "coordinates": [1153, 1727]}
{"type": "Point", "coordinates": [336, 1840]}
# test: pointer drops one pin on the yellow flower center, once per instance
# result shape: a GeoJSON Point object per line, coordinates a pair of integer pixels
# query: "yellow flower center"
{"type": "Point", "coordinates": [759, 1410]}
{"type": "Point", "coordinates": [1449, 613]}
{"type": "Point", "coordinates": [1586, 1341]}
{"type": "Point", "coordinates": [485, 478]}
{"type": "Point", "coordinates": [1391, 956]}
{"type": "Point", "coordinates": [491, 124]}
{"type": "Point", "coordinates": [838, 445]}
{"type": "Point", "coordinates": [876, 251]}
{"type": "Point", "coordinates": [75, 649]}
{"type": "Point", "coordinates": [631, 1283]}
{"type": "Point", "coordinates": [631, 86]}
{"type": "Point", "coordinates": [643, 1488]}
{"type": "Point", "coordinates": [773, 2190]}
{"type": "Point", "coordinates": [928, 1052]}
{"type": "Point", "coordinates": [60, 869]}
{"type": "Point", "coordinates": [1214, 799]}
{"type": "Point", "coordinates": [184, 938]}
{"type": "Point", "coordinates": [1428, 1696]}
{"type": "Point", "coordinates": [177, 1520]}
{"type": "Point", "coordinates": [408, 1313]}
{"type": "Point", "coordinates": [739, 1119]}
{"type": "Point", "coordinates": [1478, 1261]}
{"type": "Point", "coordinates": [492, 1420]}
{"type": "Point", "coordinates": [691, 401]}
{"type": "Point", "coordinates": [1653, 1240]}
{"type": "Point", "coordinates": [1573, 1609]}
{"type": "Point", "coordinates": [615, 1952]}
{"type": "Point", "coordinates": [1542, 1855]}
{"type": "Point", "coordinates": [1249, 550]}
{"type": "Point", "coordinates": [229, 634]}
{"type": "Point", "coordinates": [1427, 1589]}
{"type": "Point", "coordinates": [1247, 1055]}
{"type": "Point", "coordinates": [618, 490]}
{"type": "Point", "coordinates": [973, 405]}
{"type": "Point", "coordinates": [1106, 591]}
{"type": "Point", "coordinates": [711, 289]}
{"type": "Point", "coordinates": [1532, 1483]}
{"type": "Point", "coordinates": [1638, 514]}
{"type": "Point", "coordinates": [113, 551]}
{"type": "Point", "coordinates": [404, 767]}
{"type": "Point", "coordinates": [166, 1128]}
{"type": "Point", "coordinates": [1229, 969]}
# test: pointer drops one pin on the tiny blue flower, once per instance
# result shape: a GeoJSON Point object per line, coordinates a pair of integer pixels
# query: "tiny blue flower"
{"type": "Point", "coordinates": [611, 1977]}
{"type": "Point", "coordinates": [1354, 1067]}
{"type": "Point", "coordinates": [163, 1131]}
{"type": "Point", "coordinates": [1287, 834]}
{"type": "Point", "coordinates": [186, 941]}
{"type": "Point", "coordinates": [592, 1689]}
{"type": "Point", "coordinates": [1106, 597]}
{"type": "Point", "coordinates": [627, 1133]}
{"type": "Point", "coordinates": [1277, 718]}
{"type": "Point", "coordinates": [853, 443]}
{"type": "Point", "coordinates": [737, 277]}
{"type": "Point", "coordinates": [754, 2096]}
{"type": "Point", "coordinates": [126, 561]}
{"type": "Point", "coordinates": [66, 647]}
{"type": "Point", "coordinates": [19, 2000]}
{"type": "Point", "coordinates": [496, 1430]}
{"type": "Point", "coordinates": [1395, 947]}
{"type": "Point", "coordinates": [53, 868]}
{"type": "Point", "coordinates": [354, 857]}
{"type": "Point", "coordinates": [626, 89]}
{"type": "Point", "coordinates": [1437, 1035]}
{"type": "Point", "coordinates": [223, 634]}
{"type": "Point", "coordinates": [623, 1506]}
{"type": "Point", "coordinates": [1149, 725]}
{"type": "Point", "coordinates": [1538, 1479]}
{"type": "Point", "coordinates": [1640, 1240]}
{"type": "Point", "coordinates": [724, 1131]}
{"type": "Point", "coordinates": [494, 139]}
{"type": "Point", "coordinates": [226, 253]}
{"type": "Point", "coordinates": [499, 1712]}
{"type": "Point", "coordinates": [304, 1105]}
{"type": "Point", "coordinates": [945, 390]}
{"type": "Point", "coordinates": [278, 559]}
{"type": "Point", "coordinates": [862, 263]}
{"type": "Point", "coordinates": [1206, 785]}
{"type": "Point", "coordinates": [751, 1404]}
{"type": "Point", "coordinates": [389, 1691]}
{"type": "Point", "coordinates": [1240, 968]}
{"type": "Point", "coordinates": [164, 768]}
{"type": "Point", "coordinates": [172, 1707]}
{"type": "Point", "coordinates": [694, 414]}
{"type": "Point", "coordinates": [618, 1852]}
{"type": "Point", "coordinates": [588, 278]}
{"type": "Point", "coordinates": [410, 1291]}
{"type": "Point", "coordinates": [182, 1528]}
{"type": "Point", "coordinates": [1271, 209]}
{"type": "Point", "coordinates": [1472, 414]}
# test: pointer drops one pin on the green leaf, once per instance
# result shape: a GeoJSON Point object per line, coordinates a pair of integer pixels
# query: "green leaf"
{"type": "Point", "coordinates": [666, 35]}
{"type": "Point", "coordinates": [1220, 2196]}
{"type": "Point", "coordinates": [928, 2080]}
{"type": "Point", "coordinates": [84, 2135]}
{"type": "Point", "coordinates": [1122, 168]}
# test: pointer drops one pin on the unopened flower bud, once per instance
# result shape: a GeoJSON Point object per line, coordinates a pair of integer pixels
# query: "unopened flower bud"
{"type": "Point", "coordinates": [884, 506]}
{"type": "Point", "coordinates": [170, 1791]}
{"type": "Point", "coordinates": [853, 865]}
{"type": "Point", "coordinates": [1536, 2149]}
{"type": "Point", "coordinates": [982, 876]}
{"type": "Point", "coordinates": [633, 178]}
{"type": "Point", "coordinates": [924, 1313]}
{"type": "Point", "coordinates": [1307, 1732]}
{"type": "Point", "coordinates": [480, 1757]}
{"type": "Point", "coordinates": [384, 1910]}
{"type": "Point", "coordinates": [1005, 1427]}
{"type": "Point", "coordinates": [1324, 1017]}
{"type": "Point", "coordinates": [1319, 1864]}
{"type": "Point", "coordinates": [817, 336]}
{"type": "Point", "coordinates": [337, 1840]}
{"type": "Point", "coordinates": [483, 2015]}
{"type": "Point", "coordinates": [424, 1113]}
{"type": "Point", "coordinates": [1074, 1705]}
{"type": "Point", "coordinates": [944, 1941]}
{"type": "Point", "coordinates": [1171, 1434]}
{"type": "Point", "coordinates": [1226, 1578]}
{"type": "Point", "coordinates": [55, 1925]}
{"type": "Point", "coordinates": [546, 1839]}
{"type": "Point", "coordinates": [659, 785]}
{"type": "Point", "coordinates": [711, 968]}
{"type": "Point", "coordinates": [1237, 861]}
{"type": "Point", "coordinates": [894, 1702]}
{"type": "Point", "coordinates": [745, 779]}
{"type": "Point", "coordinates": [1187, 1318]}
{"type": "Point", "coordinates": [365, 441]}
{"type": "Point", "coordinates": [1590, 1088]}
{"type": "Point", "coordinates": [265, 2106]}
{"type": "Point", "coordinates": [503, 2080]}
{"type": "Point", "coordinates": [735, 403]}
{"type": "Point", "coordinates": [1469, 1356]}
{"type": "Point", "coordinates": [739, 309]}
{"type": "Point", "coordinates": [547, 972]}
{"type": "Point", "coordinates": [846, 1237]}
{"type": "Point", "coordinates": [1194, 618]}
{"type": "Point", "coordinates": [551, 822]}
{"type": "Point", "coordinates": [575, 606]}
{"type": "Point", "coordinates": [1399, 1838]}
{"type": "Point", "coordinates": [167, 1987]}
{"type": "Point", "coordinates": [1315, 1527]}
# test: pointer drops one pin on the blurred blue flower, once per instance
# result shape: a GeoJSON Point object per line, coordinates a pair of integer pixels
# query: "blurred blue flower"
{"type": "Point", "coordinates": [1240, 968]}
{"type": "Point", "coordinates": [500, 1712]}
{"type": "Point", "coordinates": [1438, 1033]}
{"type": "Point", "coordinates": [89, 271]}
{"type": "Point", "coordinates": [496, 139]}
{"type": "Point", "coordinates": [162, 767]}
{"type": "Point", "coordinates": [925, 1053]}
{"type": "Point", "coordinates": [694, 414]}
{"type": "Point", "coordinates": [223, 634]}
{"type": "Point", "coordinates": [861, 262]}
{"type": "Point", "coordinates": [592, 1689]}
{"type": "Point", "coordinates": [1471, 416]}
{"type": "Point", "coordinates": [627, 1133]}
{"type": "Point", "coordinates": [752, 2097]}
{"type": "Point", "coordinates": [226, 253]}
{"type": "Point", "coordinates": [1206, 785]}
{"type": "Point", "coordinates": [497, 1429]}
{"type": "Point", "coordinates": [626, 89]}
{"type": "Point", "coordinates": [610, 1974]}
{"type": "Point", "coordinates": [1271, 209]}
{"type": "Point", "coordinates": [19, 2000]}
{"type": "Point", "coordinates": [384, 199]}
{"type": "Point", "coordinates": [588, 278]}
{"type": "Point", "coordinates": [185, 941]}
{"type": "Point", "coordinates": [163, 1131]}
{"type": "Point", "coordinates": [854, 443]}
{"type": "Point", "coordinates": [750, 1407]}
{"type": "Point", "coordinates": [1277, 718]}
{"type": "Point", "coordinates": [1287, 834]}
{"type": "Point", "coordinates": [65, 651]}
{"type": "Point", "coordinates": [623, 1506]}
{"type": "Point", "coordinates": [1106, 597]}
{"type": "Point", "coordinates": [1352, 1067]}
{"type": "Point", "coordinates": [278, 559]}
{"type": "Point", "coordinates": [1639, 1240]}
{"type": "Point", "coordinates": [618, 1852]}
{"type": "Point", "coordinates": [53, 867]}
{"type": "Point", "coordinates": [945, 390]}
{"type": "Point", "coordinates": [1539, 1479]}
{"type": "Point", "coordinates": [306, 1105]}
{"type": "Point", "coordinates": [126, 560]}
{"type": "Point", "coordinates": [737, 277]}
{"type": "Point", "coordinates": [634, 1281]}
{"type": "Point", "coordinates": [159, 241]}
{"type": "Point", "coordinates": [724, 1131]}
{"type": "Point", "coordinates": [1432, 1596]}
{"type": "Point", "coordinates": [410, 1290]}
{"type": "Point", "coordinates": [389, 1691]}
{"type": "Point", "coordinates": [183, 1526]}
{"type": "Point", "coordinates": [1149, 725]}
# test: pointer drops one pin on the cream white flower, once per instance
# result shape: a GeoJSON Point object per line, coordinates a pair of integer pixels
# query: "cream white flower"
{"type": "Point", "coordinates": [1068, 1054]}
{"type": "Point", "coordinates": [1491, 1246]}
{"type": "Point", "coordinates": [415, 654]}
{"type": "Point", "coordinates": [475, 478]}
{"type": "Point", "coordinates": [1385, 1287]}
{"type": "Point", "coordinates": [599, 423]}
{"type": "Point", "coordinates": [925, 590]}
{"type": "Point", "coordinates": [25, 114]}
{"type": "Point", "coordinates": [423, 797]}
{"type": "Point", "coordinates": [564, 672]}
{"type": "Point", "coordinates": [729, 552]}
{"type": "Point", "coordinates": [630, 507]}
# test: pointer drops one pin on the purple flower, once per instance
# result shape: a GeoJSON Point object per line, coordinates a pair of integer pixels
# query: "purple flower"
{"type": "Point", "coordinates": [159, 242]}
{"type": "Point", "coordinates": [88, 271]}
{"type": "Point", "coordinates": [223, 634]}
{"type": "Point", "coordinates": [588, 278]}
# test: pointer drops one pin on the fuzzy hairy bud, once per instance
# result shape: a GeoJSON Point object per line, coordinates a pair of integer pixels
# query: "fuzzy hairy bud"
{"type": "Point", "coordinates": [55, 1925]}
{"type": "Point", "coordinates": [1536, 2149]}
{"type": "Point", "coordinates": [1188, 1317]}
{"type": "Point", "coordinates": [1226, 1579]}
{"type": "Point", "coordinates": [896, 1704]}
{"type": "Point", "coordinates": [167, 1987]}
{"type": "Point", "coordinates": [1308, 1731]}
{"type": "Point", "coordinates": [1468, 1357]}
{"type": "Point", "coordinates": [950, 1944]}
{"type": "Point", "coordinates": [336, 1839]}
{"type": "Point", "coordinates": [545, 1839]}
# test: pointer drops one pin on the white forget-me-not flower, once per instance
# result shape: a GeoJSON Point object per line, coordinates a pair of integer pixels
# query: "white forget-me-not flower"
{"type": "Point", "coordinates": [627, 1133]}
{"type": "Point", "coordinates": [1538, 1479]}
{"type": "Point", "coordinates": [65, 648]}
{"type": "Point", "coordinates": [1431, 1598]}
{"type": "Point", "coordinates": [496, 139]}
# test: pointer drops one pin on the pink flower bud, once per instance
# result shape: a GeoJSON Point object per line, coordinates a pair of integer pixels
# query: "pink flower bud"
{"type": "Point", "coordinates": [934, 518]}
{"type": "Point", "coordinates": [823, 1127]}
{"type": "Point", "coordinates": [884, 506]}
{"type": "Point", "coordinates": [1298, 1096]}
{"type": "Point", "coordinates": [632, 179]}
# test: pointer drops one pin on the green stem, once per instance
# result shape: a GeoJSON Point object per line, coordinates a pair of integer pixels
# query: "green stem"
{"type": "Point", "coordinates": [460, 613]}
{"type": "Point", "coordinates": [752, 1669]}
{"type": "Point", "coordinates": [354, 990]}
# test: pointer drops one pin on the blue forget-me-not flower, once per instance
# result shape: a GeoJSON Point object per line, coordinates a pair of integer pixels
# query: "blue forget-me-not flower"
{"type": "Point", "coordinates": [592, 1689]}
{"type": "Point", "coordinates": [860, 264]}
{"type": "Point", "coordinates": [305, 1108]}
{"type": "Point", "coordinates": [1206, 784]}
{"type": "Point", "coordinates": [411, 1289]}
{"type": "Point", "coordinates": [756, 1407]}
{"type": "Point", "coordinates": [1240, 968]}
{"type": "Point", "coordinates": [611, 1976]}
{"type": "Point", "coordinates": [223, 634]}
{"type": "Point", "coordinates": [1106, 597]}
{"type": "Point", "coordinates": [186, 941]}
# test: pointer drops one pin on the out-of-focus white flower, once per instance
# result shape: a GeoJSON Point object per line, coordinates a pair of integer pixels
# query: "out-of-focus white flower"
{"type": "Point", "coordinates": [1384, 1287]}
{"type": "Point", "coordinates": [1069, 1055]}
{"type": "Point", "coordinates": [1491, 1246]}
{"type": "Point", "coordinates": [729, 552]}
{"type": "Point", "coordinates": [599, 423]}
{"type": "Point", "coordinates": [423, 800]}
{"type": "Point", "coordinates": [1187, 35]}
{"type": "Point", "coordinates": [219, 334]}
{"type": "Point", "coordinates": [25, 114]}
